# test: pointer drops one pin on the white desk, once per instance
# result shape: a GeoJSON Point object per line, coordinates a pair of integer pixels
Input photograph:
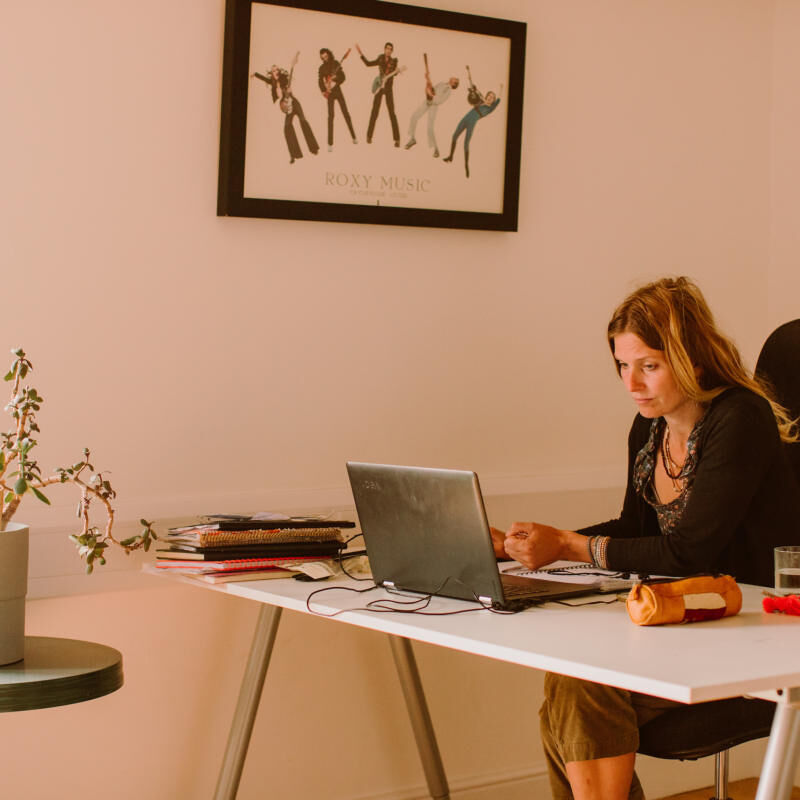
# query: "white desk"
{"type": "Point", "coordinates": [751, 653]}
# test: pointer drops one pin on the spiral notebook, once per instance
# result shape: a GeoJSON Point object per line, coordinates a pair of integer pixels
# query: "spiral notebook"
{"type": "Point", "coordinates": [426, 531]}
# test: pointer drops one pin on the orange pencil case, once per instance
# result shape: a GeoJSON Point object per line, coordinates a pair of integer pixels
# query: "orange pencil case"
{"type": "Point", "coordinates": [684, 600]}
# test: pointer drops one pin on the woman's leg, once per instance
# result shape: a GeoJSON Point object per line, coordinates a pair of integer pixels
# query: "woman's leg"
{"type": "Point", "coordinates": [590, 734]}
{"type": "Point", "coordinates": [602, 778]}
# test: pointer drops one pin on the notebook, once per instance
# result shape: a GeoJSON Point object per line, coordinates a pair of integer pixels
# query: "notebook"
{"type": "Point", "coordinates": [426, 531]}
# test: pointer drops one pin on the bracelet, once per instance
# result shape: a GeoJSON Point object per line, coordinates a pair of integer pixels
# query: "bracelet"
{"type": "Point", "coordinates": [600, 548]}
{"type": "Point", "coordinates": [597, 551]}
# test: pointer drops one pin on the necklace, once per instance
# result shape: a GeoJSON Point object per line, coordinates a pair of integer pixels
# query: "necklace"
{"type": "Point", "coordinates": [668, 461]}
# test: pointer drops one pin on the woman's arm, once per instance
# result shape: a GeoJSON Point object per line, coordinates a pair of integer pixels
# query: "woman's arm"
{"type": "Point", "coordinates": [535, 545]}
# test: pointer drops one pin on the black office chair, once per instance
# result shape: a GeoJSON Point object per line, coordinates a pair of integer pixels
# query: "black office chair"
{"type": "Point", "coordinates": [713, 728]}
{"type": "Point", "coordinates": [779, 363]}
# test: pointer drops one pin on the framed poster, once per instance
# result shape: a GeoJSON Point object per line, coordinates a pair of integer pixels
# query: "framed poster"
{"type": "Point", "coordinates": [370, 112]}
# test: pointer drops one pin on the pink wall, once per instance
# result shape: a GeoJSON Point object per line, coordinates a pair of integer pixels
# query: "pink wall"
{"type": "Point", "coordinates": [178, 344]}
{"type": "Point", "coordinates": [219, 364]}
{"type": "Point", "coordinates": [784, 264]}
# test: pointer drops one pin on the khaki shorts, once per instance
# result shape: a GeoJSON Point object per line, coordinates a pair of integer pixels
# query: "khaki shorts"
{"type": "Point", "coordinates": [581, 721]}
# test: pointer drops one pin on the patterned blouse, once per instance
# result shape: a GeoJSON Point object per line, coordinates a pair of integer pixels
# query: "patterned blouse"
{"type": "Point", "coordinates": [669, 514]}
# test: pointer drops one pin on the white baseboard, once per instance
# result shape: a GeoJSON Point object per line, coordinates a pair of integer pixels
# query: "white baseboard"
{"type": "Point", "coordinates": [508, 785]}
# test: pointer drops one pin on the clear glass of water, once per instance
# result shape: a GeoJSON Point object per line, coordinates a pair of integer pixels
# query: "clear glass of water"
{"type": "Point", "coordinates": [787, 570]}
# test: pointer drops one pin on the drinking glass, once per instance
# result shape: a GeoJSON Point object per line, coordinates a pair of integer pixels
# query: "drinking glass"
{"type": "Point", "coordinates": [787, 570]}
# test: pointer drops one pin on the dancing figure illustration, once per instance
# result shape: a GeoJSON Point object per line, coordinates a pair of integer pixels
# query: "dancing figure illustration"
{"type": "Point", "coordinates": [435, 96]}
{"type": "Point", "coordinates": [482, 106]}
{"type": "Point", "coordinates": [331, 78]}
{"type": "Point", "coordinates": [280, 82]}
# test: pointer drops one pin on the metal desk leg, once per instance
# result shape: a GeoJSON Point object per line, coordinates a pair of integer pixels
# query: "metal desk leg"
{"type": "Point", "coordinates": [420, 718]}
{"type": "Point", "coordinates": [777, 774]}
{"type": "Point", "coordinates": [247, 706]}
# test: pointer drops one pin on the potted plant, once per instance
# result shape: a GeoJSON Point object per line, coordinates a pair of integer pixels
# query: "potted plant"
{"type": "Point", "coordinates": [20, 476]}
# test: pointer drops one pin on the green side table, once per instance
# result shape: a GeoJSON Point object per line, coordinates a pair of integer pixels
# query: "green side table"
{"type": "Point", "coordinates": [57, 672]}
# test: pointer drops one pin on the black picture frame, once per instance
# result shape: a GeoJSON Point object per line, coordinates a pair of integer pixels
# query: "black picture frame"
{"type": "Point", "coordinates": [263, 174]}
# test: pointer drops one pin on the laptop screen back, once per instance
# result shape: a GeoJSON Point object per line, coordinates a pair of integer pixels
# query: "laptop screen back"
{"type": "Point", "coordinates": [425, 530]}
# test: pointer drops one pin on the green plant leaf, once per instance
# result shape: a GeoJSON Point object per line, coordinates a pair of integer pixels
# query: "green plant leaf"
{"type": "Point", "coordinates": [9, 497]}
{"type": "Point", "coordinates": [40, 496]}
{"type": "Point", "coordinates": [9, 376]}
{"type": "Point", "coordinates": [21, 486]}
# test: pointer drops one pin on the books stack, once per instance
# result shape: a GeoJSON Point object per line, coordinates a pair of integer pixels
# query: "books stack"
{"type": "Point", "coordinates": [250, 548]}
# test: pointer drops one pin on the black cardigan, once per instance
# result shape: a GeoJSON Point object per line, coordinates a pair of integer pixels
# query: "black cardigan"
{"type": "Point", "coordinates": [744, 502]}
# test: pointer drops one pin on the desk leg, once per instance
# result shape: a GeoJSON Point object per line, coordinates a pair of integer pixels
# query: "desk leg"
{"type": "Point", "coordinates": [247, 706]}
{"type": "Point", "coordinates": [777, 774]}
{"type": "Point", "coordinates": [420, 718]}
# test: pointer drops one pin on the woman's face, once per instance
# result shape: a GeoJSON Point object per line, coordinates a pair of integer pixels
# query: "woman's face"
{"type": "Point", "coordinates": [648, 377]}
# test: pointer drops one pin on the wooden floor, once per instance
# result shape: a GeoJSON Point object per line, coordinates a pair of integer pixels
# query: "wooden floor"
{"type": "Point", "coordinates": [737, 790]}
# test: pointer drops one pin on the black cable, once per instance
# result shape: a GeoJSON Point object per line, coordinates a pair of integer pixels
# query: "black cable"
{"type": "Point", "coordinates": [334, 588]}
{"type": "Point", "coordinates": [375, 606]}
{"type": "Point", "coordinates": [614, 599]}
{"type": "Point", "coordinates": [341, 561]}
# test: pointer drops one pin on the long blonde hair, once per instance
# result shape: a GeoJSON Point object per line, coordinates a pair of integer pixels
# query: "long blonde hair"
{"type": "Point", "coordinates": [672, 315]}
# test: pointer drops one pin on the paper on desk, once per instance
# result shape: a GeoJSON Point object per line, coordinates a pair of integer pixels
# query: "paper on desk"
{"type": "Point", "coordinates": [568, 572]}
{"type": "Point", "coordinates": [317, 570]}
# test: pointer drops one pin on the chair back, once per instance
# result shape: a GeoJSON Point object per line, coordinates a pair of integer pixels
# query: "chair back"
{"type": "Point", "coordinates": [779, 364]}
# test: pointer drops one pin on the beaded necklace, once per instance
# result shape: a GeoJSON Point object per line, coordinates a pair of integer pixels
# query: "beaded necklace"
{"type": "Point", "coordinates": [668, 461]}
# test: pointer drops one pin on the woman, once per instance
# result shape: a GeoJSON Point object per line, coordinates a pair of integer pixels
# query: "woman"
{"type": "Point", "coordinates": [709, 490]}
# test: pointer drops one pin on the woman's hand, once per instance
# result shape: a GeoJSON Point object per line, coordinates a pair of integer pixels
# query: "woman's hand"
{"type": "Point", "coordinates": [535, 545]}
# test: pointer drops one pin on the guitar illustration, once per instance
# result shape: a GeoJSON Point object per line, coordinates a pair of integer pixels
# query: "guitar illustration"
{"type": "Point", "coordinates": [474, 97]}
{"type": "Point", "coordinates": [286, 99]}
{"type": "Point", "coordinates": [429, 93]}
{"type": "Point", "coordinates": [330, 83]}
{"type": "Point", "coordinates": [380, 80]}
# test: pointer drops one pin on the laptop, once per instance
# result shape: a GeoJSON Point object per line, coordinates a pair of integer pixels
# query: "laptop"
{"type": "Point", "coordinates": [425, 530]}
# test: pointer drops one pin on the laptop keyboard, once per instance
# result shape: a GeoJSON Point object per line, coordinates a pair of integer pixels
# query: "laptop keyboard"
{"type": "Point", "coordinates": [517, 590]}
